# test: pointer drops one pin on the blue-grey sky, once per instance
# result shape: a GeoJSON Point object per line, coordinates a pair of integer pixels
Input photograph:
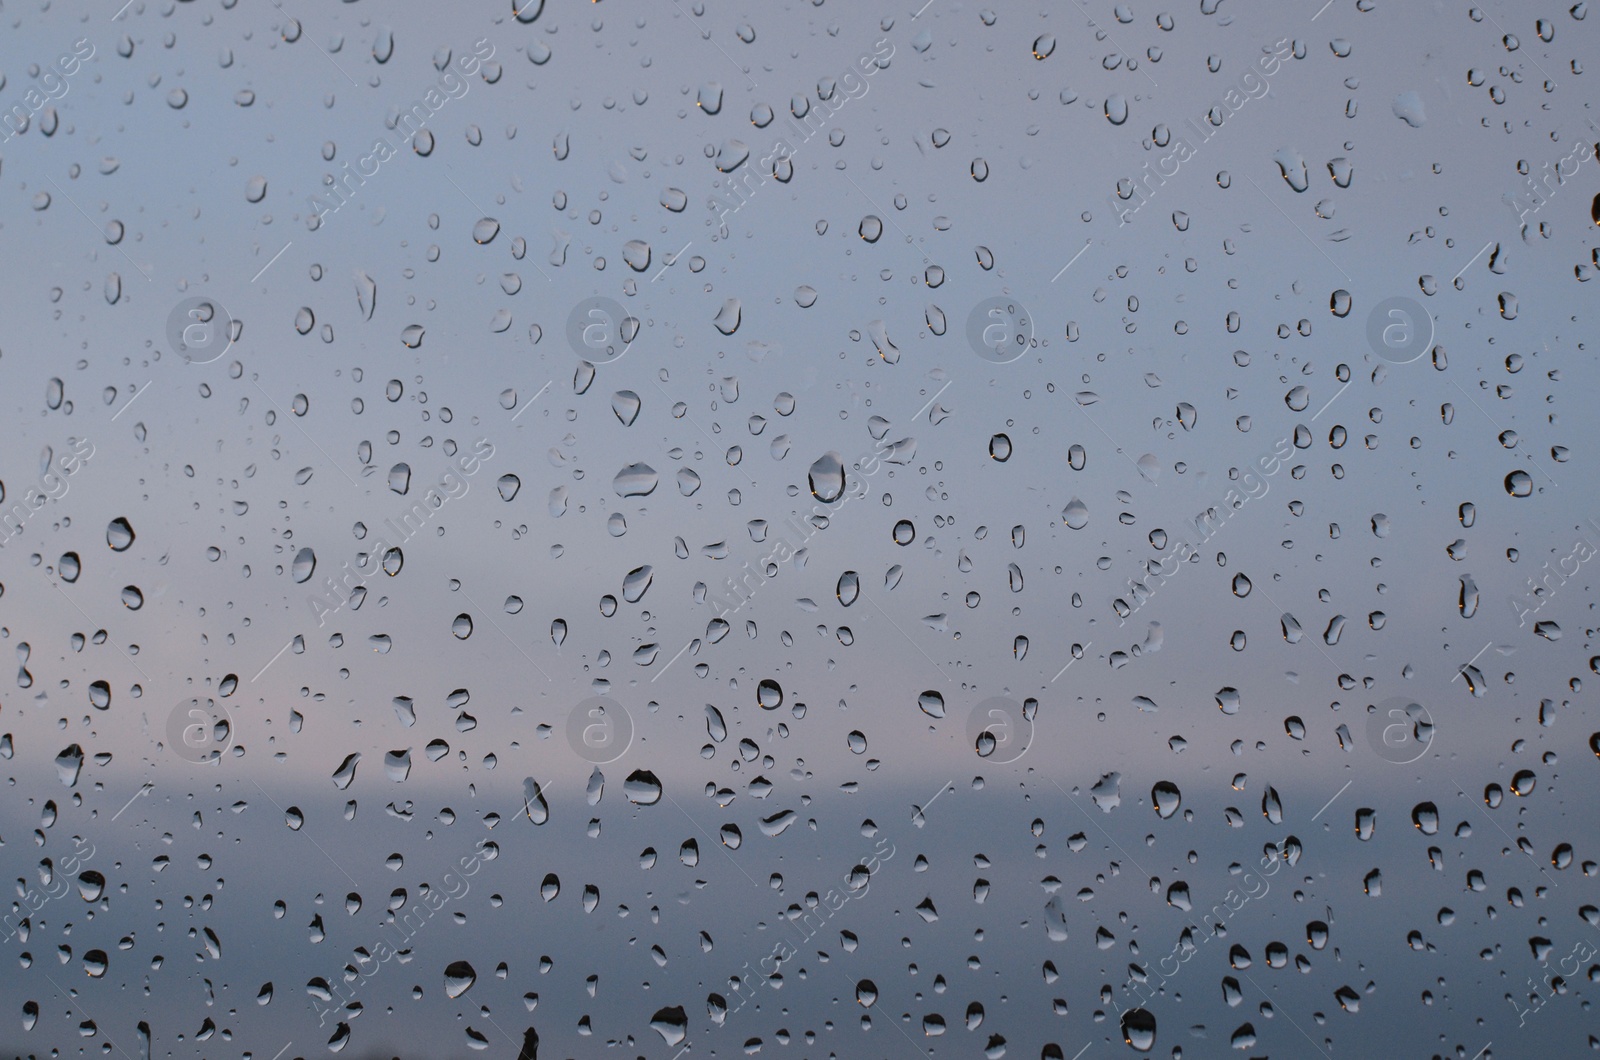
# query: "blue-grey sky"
{"type": "Point", "coordinates": [807, 212]}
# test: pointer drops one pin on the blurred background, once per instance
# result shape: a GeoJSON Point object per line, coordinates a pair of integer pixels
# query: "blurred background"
{"type": "Point", "coordinates": [817, 530]}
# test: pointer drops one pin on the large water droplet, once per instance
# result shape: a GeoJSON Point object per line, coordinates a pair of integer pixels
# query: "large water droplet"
{"type": "Point", "coordinates": [826, 478]}
{"type": "Point", "coordinates": [642, 788]}
{"type": "Point", "coordinates": [458, 979]}
{"type": "Point", "coordinates": [635, 480]}
{"type": "Point", "coordinates": [1167, 798]}
{"type": "Point", "coordinates": [1139, 1029]}
{"type": "Point", "coordinates": [119, 534]}
{"type": "Point", "coordinates": [728, 317]}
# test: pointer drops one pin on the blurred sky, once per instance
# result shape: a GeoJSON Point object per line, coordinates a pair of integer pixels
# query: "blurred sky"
{"type": "Point", "coordinates": [180, 162]}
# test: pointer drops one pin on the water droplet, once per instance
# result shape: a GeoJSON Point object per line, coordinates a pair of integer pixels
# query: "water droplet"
{"type": "Point", "coordinates": [1408, 108]}
{"type": "Point", "coordinates": [458, 979]}
{"type": "Point", "coordinates": [635, 480]}
{"type": "Point", "coordinates": [1075, 514]}
{"type": "Point", "coordinates": [1000, 447]}
{"type": "Point", "coordinates": [1292, 166]}
{"type": "Point", "coordinates": [672, 1024]}
{"type": "Point", "coordinates": [1167, 798]}
{"type": "Point", "coordinates": [727, 318]}
{"type": "Point", "coordinates": [119, 534]}
{"type": "Point", "coordinates": [1519, 484]}
{"type": "Point", "coordinates": [462, 626]}
{"type": "Point", "coordinates": [826, 478]}
{"type": "Point", "coordinates": [637, 583]}
{"type": "Point", "coordinates": [642, 788]}
{"type": "Point", "coordinates": [533, 801]}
